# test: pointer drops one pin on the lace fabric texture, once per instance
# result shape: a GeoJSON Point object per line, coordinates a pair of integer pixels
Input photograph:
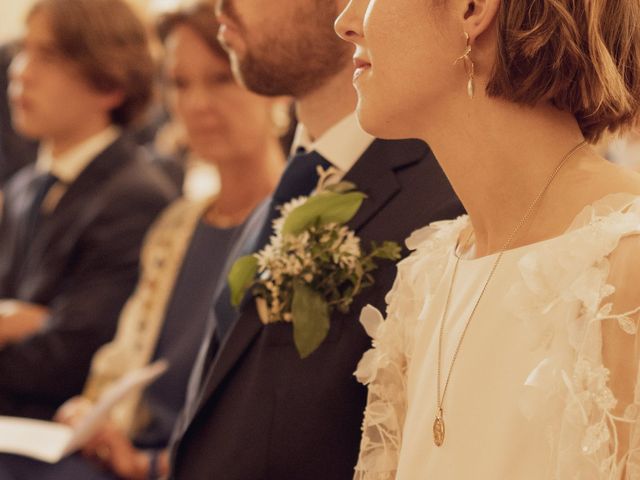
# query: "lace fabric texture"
{"type": "Point", "coordinates": [584, 392]}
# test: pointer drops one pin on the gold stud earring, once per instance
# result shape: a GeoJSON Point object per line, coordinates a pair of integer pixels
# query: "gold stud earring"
{"type": "Point", "coordinates": [469, 66]}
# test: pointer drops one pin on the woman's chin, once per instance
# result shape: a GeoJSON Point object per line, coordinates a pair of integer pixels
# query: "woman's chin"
{"type": "Point", "coordinates": [380, 126]}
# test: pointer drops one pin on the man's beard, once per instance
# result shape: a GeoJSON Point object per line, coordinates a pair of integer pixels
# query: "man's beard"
{"type": "Point", "coordinates": [295, 62]}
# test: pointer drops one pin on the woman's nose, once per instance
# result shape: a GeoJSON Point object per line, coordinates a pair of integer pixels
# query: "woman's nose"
{"type": "Point", "coordinates": [19, 67]}
{"type": "Point", "coordinates": [348, 25]}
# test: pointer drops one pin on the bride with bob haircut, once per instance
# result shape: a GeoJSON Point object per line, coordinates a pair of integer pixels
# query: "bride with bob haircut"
{"type": "Point", "coordinates": [510, 344]}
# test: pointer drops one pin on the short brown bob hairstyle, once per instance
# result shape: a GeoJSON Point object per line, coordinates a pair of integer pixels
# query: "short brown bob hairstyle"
{"type": "Point", "coordinates": [109, 45]}
{"type": "Point", "coordinates": [581, 55]}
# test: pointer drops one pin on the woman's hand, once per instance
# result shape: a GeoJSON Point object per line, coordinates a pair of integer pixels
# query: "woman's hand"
{"type": "Point", "coordinates": [112, 449]}
{"type": "Point", "coordinates": [73, 411]}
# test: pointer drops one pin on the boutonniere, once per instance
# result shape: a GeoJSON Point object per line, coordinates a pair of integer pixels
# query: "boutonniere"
{"type": "Point", "coordinates": [314, 264]}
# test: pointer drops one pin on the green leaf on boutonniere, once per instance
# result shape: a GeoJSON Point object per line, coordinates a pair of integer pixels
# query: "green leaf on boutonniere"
{"type": "Point", "coordinates": [387, 250]}
{"type": "Point", "coordinates": [241, 277]}
{"type": "Point", "coordinates": [310, 314]}
{"type": "Point", "coordinates": [321, 209]}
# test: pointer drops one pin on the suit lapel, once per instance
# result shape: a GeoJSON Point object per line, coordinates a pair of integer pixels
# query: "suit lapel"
{"type": "Point", "coordinates": [373, 174]}
{"type": "Point", "coordinates": [237, 339]}
{"type": "Point", "coordinates": [20, 193]}
{"type": "Point", "coordinates": [240, 337]}
{"type": "Point", "coordinates": [96, 174]}
{"type": "Point", "coordinates": [77, 201]}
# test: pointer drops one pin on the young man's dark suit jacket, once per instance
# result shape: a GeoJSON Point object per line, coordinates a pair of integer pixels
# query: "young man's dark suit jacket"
{"type": "Point", "coordinates": [82, 264]}
{"type": "Point", "coordinates": [265, 414]}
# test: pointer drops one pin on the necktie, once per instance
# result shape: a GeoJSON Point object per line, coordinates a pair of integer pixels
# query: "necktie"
{"type": "Point", "coordinates": [41, 186]}
{"type": "Point", "coordinates": [299, 178]}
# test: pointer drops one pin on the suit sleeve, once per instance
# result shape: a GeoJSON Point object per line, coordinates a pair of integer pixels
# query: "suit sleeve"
{"type": "Point", "coordinates": [52, 365]}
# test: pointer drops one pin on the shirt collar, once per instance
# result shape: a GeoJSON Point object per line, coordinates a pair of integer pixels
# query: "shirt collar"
{"type": "Point", "coordinates": [342, 145]}
{"type": "Point", "coordinates": [68, 166]}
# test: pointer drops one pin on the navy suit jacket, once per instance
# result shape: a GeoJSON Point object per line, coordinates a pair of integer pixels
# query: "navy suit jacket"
{"type": "Point", "coordinates": [262, 413]}
{"type": "Point", "coordinates": [82, 264]}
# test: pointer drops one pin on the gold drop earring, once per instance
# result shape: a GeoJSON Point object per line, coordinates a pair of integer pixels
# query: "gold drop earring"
{"type": "Point", "coordinates": [469, 66]}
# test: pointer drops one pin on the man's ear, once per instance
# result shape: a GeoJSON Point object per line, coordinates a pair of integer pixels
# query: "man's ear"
{"type": "Point", "coordinates": [112, 100]}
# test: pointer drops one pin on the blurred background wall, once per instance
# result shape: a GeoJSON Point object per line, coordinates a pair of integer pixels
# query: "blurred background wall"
{"type": "Point", "coordinates": [12, 13]}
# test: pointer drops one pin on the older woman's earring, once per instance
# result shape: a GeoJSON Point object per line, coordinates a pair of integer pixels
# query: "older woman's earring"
{"type": "Point", "coordinates": [469, 67]}
{"type": "Point", "coordinates": [281, 117]}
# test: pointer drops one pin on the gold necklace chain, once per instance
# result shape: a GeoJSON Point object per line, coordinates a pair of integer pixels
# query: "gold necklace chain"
{"type": "Point", "coordinates": [438, 424]}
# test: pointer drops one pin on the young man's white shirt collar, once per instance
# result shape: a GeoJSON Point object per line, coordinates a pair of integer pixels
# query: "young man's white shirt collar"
{"type": "Point", "coordinates": [68, 166]}
{"type": "Point", "coordinates": [342, 145]}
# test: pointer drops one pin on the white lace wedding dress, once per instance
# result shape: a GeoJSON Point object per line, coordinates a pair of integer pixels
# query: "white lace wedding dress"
{"type": "Point", "coordinates": [545, 383]}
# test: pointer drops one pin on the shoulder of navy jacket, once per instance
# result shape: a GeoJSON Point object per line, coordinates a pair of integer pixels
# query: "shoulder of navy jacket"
{"type": "Point", "coordinates": [120, 156]}
{"type": "Point", "coordinates": [400, 153]}
{"type": "Point", "coordinates": [21, 178]}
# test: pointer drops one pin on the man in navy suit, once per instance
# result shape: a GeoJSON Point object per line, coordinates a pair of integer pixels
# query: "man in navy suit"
{"type": "Point", "coordinates": [257, 410]}
{"type": "Point", "coordinates": [72, 225]}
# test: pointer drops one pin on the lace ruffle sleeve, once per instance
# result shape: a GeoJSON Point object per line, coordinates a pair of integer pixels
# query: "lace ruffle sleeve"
{"type": "Point", "coordinates": [384, 367]}
{"type": "Point", "coordinates": [589, 396]}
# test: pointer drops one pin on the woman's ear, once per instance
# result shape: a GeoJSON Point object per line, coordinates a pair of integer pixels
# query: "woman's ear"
{"type": "Point", "coordinates": [479, 16]}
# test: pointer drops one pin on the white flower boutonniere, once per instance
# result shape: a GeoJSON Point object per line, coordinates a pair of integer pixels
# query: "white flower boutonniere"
{"type": "Point", "coordinates": [313, 265]}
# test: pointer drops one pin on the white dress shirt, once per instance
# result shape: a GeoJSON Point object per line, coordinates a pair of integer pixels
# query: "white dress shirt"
{"type": "Point", "coordinates": [69, 165]}
{"type": "Point", "coordinates": [342, 145]}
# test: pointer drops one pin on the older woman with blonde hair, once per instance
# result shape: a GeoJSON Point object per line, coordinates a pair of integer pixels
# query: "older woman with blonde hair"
{"type": "Point", "coordinates": [510, 347]}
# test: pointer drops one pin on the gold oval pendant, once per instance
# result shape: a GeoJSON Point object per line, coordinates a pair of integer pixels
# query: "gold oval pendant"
{"type": "Point", "coordinates": [438, 431]}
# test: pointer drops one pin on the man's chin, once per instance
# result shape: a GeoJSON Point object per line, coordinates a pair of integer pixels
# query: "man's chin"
{"type": "Point", "coordinates": [259, 78]}
{"type": "Point", "coordinates": [27, 130]}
